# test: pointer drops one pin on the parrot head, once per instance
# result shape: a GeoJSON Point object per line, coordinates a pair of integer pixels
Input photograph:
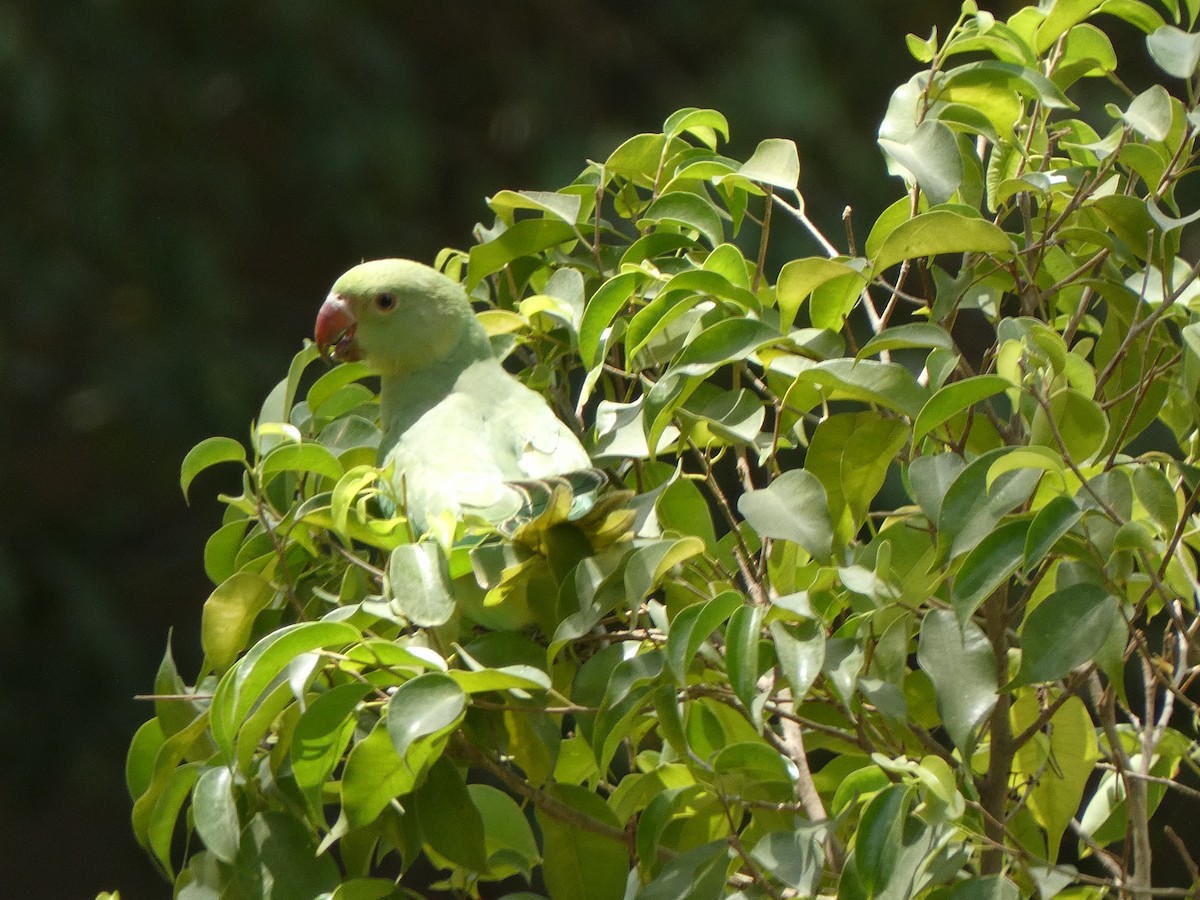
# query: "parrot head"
{"type": "Point", "coordinates": [394, 314]}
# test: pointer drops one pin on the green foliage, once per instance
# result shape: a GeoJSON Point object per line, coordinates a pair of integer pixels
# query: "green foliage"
{"type": "Point", "coordinates": [905, 517]}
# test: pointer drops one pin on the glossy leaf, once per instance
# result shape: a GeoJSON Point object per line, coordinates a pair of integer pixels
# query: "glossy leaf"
{"type": "Point", "coordinates": [801, 651]}
{"type": "Point", "coordinates": [418, 582]}
{"type": "Point", "coordinates": [955, 398]}
{"type": "Point", "coordinates": [243, 684]}
{"type": "Point", "coordinates": [987, 566]}
{"type": "Point", "coordinates": [277, 860]}
{"type": "Point", "coordinates": [793, 507]}
{"type": "Point", "coordinates": [692, 627]}
{"type": "Point", "coordinates": [214, 808]}
{"type": "Point", "coordinates": [775, 163]}
{"type": "Point", "coordinates": [430, 704]}
{"type": "Point", "coordinates": [800, 277]}
{"type": "Point", "coordinates": [741, 651]}
{"type": "Point", "coordinates": [229, 615]}
{"type": "Point", "coordinates": [209, 452]}
{"type": "Point", "coordinates": [1059, 766]}
{"type": "Point", "coordinates": [930, 157]}
{"type": "Point", "coordinates": [579, 863]}
{"type": "Point", "coordinates": [940, 231]}
{"type": "Point", "coordinates": [450, 824]}
{"type": "Point", "coordinates": [1176, 52]}
{"type": "Point", "coordinates": [1065, 630]}
{"type": "Point", "coordinates": [850, 454]}
{"type": "Point", "coordinates": [959, 661]}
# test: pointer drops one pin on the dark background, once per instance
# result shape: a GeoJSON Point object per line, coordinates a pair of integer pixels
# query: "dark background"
{"type": "Point", "coordinates": [179, 185]}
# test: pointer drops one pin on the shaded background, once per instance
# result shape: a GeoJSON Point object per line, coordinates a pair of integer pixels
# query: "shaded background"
{"type": "Point", "coordinates": [180, 184]}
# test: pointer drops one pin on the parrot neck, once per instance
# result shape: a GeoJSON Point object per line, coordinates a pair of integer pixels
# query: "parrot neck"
{"type": "Point", "coordinates": [406, 396]}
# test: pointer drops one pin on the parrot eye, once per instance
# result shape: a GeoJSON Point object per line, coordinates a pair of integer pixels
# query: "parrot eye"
{"type": "Point", "coordinates": [385, 302]}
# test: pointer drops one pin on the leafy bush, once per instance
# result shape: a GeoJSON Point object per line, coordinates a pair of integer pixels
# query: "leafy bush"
{"type": "Point", "coordinates": [908, 607]}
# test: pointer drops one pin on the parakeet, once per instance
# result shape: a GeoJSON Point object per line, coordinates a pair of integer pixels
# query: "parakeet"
{"type": "Point", "coordinates": [462, 434]}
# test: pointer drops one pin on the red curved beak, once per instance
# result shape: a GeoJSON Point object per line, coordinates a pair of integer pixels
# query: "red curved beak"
{"type": "Point", "coordinates": [335, 329]}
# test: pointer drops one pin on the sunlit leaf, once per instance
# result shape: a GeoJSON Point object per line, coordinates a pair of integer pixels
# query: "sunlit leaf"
{"type": "Point", "coordinates": [793, 507]}
{"type": "Point", "coordinates": [959, 661]}
{"type": "Point", "coordinates": [1065, 630]}
{"type": "Point", "coordinates": [209, 452]}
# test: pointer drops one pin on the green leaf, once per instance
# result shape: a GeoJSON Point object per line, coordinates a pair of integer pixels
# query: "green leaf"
{"type": "Point", "coordinates": [688, 210]}
{"type": "Point", "coordinates": [1052, 521]}
{"type": "Point", "coordinates": [729, 340]}
{"type": "Point", "coordinates": [601, 309]}
{"type": "Point", "coordinates": [930, 478]}
{"type": "Point", "coordinates": [903, 337]}
{"type": "Point", "coordinates": [430, 704]}
{"type": "Point", "coordinates": [697, 874]}
{"type": "Point", "coordinates": [375, 774]}
{"type": "Point", "coordinates": [989, 887]}
{"type": "Point", "coordinates": [929, 156]}
{"type": "Point", "coordinates": [579, 864]}
{"type": "Point", "coordinates": [953, 399]}
{"type": "Point", "coordinates": [1013, 77]}
{"type": "Point", "coordinates": [800, 648]}
{"type": "Point", "coordinates": [704, 124]}
{"type": "Point", "coordinates": [971, 508]}
{"type": "Point", "coordinates": [1149, 113]}
{"type": "Point", "coordinates": [157, 807]}
{"type": "Point", "coordinates": [333, 381]}
{"type": "Point", "coordinates": [1079, 420]}
{"type": "Point", "coordinates": [450, 824]}
{"type": "Point", "coordinates": [139, 762]}
{"type": "Point", "coordinates": [1176, 52]}
{"type": "Point", "coordinates": [321, 737]}
{"type": "Point", "coordinates": [418, 581]}
{"type": "Point", "coordinates": [229, 614]}
{"type": "Point", "coordinates": [209, 452]}
{"type": "Point", "coordinates": [890, 385]}
{"type": "Point", "coordinates": [691, 627]}
{"type": "Point", "coordinates": [774, 162]}
{"type": "Point", "coordinates": [649, 565]}
{"type": "Point", "coordinates": [559, 205]}
{"type": "Point", "coordinates": [525, 238]}
{"type": "Point", "coordinates": [796, 857]}
{"type": "Point", "coordinates": [833, 301]}
{"type": "Point", "coordinates": [508, 839]}
{"type": "Point", "coordinates": [800, 277]}
{"type": "Point", "coordinates": [638, 158]}
{"type": "Point", "coordinates": [1065, 630]}
{"type": "Point", "coordinates": [1059, 766]}
{"type": "Point", "coordinates": [245, 682]}
{"type": "Point", "coordinates": [277, 408]}
{"type": "Point", "coordinates": [741, 651]}
{"type": "Point", "coordinates": [940, 231]}
{"type": "Point", "coordinates": [793, 507]}
{"type": "Point", "coordinates": [505, 678]}
{"type": "Point", "coordinates": [214, 810]}
{"type": "Point", "coordinates": [346, 491]}
{"type": "Point", "coordinates": [850, 453]}
{"type": "Point", "coordinates": [1135, 12]}
{"type": "Point", "coordinates": [881, 836]}
{"type": "Point", "coordinates": [277, 860]}
{"type": "Point", "coordinates": [1156, 495]}
{"type": "Point", "coordinates": [959, 661]}
{"type": "Point", "coordinates": [1063, 16]}
{"type": "Point", "coordinates": [987, 566]}
{"type": "Point", "coordinates": [221, 549]}
{"type": "Point", "coordinates": [306, 457]}
{"type": "Point", "coordinates": [730, 417]}
{"type": "Point", "coordinates": [163, 819]}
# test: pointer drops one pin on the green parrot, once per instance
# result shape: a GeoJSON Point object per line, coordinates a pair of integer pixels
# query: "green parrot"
{"type": "Point", "coordinates": [463, 435]}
